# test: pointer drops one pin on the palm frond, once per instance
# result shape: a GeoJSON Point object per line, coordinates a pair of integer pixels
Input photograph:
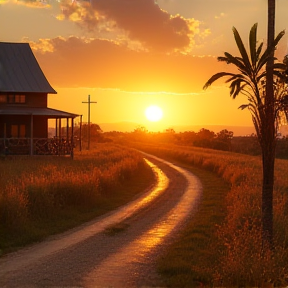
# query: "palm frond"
{"type": "Point", "coordinates": [238, 62]}
{"type": "Point", "coordinates": [278, 38]}
{"type": "Point", "coordinates": [235, 76]}
{"type": "Point", "coordinates": [244, 106]}
{"type": "Point", "coordinates": [259, 50]}
{"type": "Point", "coordinates": [216, 77]}
{"type": "Point", "coordinates": [268, 52]}
{"type": "Point", "coordinates": [242, 49]}
{"type": "Point", "coordinates": [236, 87]}
{"type": "Point", "coordinates": [239, 90]}
{"type": "Point", "coordinates": [252, 44]}
{"type": "Point", "coordinates": [279, 66]}
{"type": "Point", "coordinates": [233, 86]}
{"type": "Point", "coordinates": [223, 59]}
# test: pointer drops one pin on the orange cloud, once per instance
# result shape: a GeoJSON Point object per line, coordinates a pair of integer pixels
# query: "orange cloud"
{"type": "Point", "coordinates": [142, 20]}
{"type": "Point", "coordinates": [29, 3]}
{"type": "Point", "coordinates": [75, 62]}
{"type": "Point", "coordinates": [81, 13]}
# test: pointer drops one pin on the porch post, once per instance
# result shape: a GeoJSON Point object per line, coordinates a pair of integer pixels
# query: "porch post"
{"type": "Point", "coordinates": [80, 140]}
{"type": "Point", "coordinates": [72, 137]}
{"type": "Point", "coordinates": [5, 147]}
{"type": "Point", "coordinates": [60, 135]}
{"type": "Point", "coordinates": [31, 135]}
{"type": "Point", "coordinates": [67, 128]}
{"type": "Point", "coordinates": [56, 127]}
{"type": "Point", "coordinates": [60, 128]}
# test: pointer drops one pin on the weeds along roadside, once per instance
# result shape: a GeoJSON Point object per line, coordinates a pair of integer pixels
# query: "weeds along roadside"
{"type": "Point", "coordinates": [234, 251]}
{"type": "Point", "coordinates": [45, 195]}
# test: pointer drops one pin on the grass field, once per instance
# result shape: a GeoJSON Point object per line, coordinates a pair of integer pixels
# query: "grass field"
{"type": "Point", "coordinates": [222, 244]}
{"type": "Point", "coordinates": [41, 196]}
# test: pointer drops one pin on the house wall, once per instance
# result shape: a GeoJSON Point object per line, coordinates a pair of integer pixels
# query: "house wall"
{"type": "Point", "coordinates": [40, 127]}
{"type": "Point", "coordinates": [36, 100]}
{"type": "Point", "coordinates": [9, 122]}
{"type": "Point", "coordinates": [31, 99]}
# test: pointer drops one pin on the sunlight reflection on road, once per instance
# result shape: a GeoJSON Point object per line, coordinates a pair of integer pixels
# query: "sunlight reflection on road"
{"type": "Point", "coordinates": [118, 263]}
{"type": "Point", "coordinates": [117, 269]}
{"type": "Point", "coordinates": [60, 242]}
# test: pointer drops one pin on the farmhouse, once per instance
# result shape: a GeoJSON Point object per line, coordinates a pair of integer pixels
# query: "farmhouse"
{"type": "Point", "coordinates": [24, 113]}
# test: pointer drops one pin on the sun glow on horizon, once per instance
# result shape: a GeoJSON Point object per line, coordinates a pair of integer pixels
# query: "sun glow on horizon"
{"type": "Point", "coordinates": [154, 113]}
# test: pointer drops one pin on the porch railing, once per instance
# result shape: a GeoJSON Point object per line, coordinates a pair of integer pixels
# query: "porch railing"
{"type": "Point", "coordinates": [40, 146]}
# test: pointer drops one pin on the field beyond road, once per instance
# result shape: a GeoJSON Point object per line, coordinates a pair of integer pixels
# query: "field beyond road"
{"type": "Point", "coordinates": [220, 246]}
{"type": "Point", "coordinates": [223, 246]}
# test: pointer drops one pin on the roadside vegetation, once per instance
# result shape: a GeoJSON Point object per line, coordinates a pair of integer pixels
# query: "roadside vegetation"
{"type": "Point", "coordinates": [222, 245]}
{"type": "Point", "coordinates": [41, 196]}
{"type": "Point", "coordinates": [223, 140]}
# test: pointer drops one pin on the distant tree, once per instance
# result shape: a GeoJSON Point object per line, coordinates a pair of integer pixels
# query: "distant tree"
{"type": "Point", "coordinates": [170, 131]}
{"type": "Point", "coordinates": [251, 81]}
{"type": "Point", "coordinates": [187, 137]}
{"type": "Point", "coordinates": [204, 138]}
{"type": "Point", "coordinates": [223, 140]}
{"type": "Point", "coordinates": [225, 135]}
{"type": "Point", "coordinates": [140, 133]}
{"type": "Point", "coordinates": [95, 131]}
{"type": "Point", "coordinates": [246, 145]}
{"type": "Point", "coordinates": [205, 134]}
{"type": "Point", "coordinates": [140, 130]}
{"type": "Point", "coordinates": [282, 148]}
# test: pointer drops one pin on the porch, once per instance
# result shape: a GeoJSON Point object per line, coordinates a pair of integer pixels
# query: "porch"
{"type": "Point", "coordinates": [37, 146]}
{"type": "Point", "coordinates": [24, 131]}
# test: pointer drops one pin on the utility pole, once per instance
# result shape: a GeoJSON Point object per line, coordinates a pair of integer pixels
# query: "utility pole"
{"type": "Point", "coordinates": [89, 102]}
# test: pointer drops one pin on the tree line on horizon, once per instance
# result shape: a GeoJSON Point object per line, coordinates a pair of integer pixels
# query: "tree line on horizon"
{"type": "Point", "coordinates": [223, 140]}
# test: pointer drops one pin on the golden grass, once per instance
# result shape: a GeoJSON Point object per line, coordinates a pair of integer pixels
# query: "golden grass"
{"type": "Point", "coordinates": [237, 258]}
{"type": "Point", "coordinates": [44, 195]}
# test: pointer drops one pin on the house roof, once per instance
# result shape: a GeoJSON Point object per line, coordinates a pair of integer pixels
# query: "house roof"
{"type": "Point", "coordinates": [50, 113]}
{"type": "Point", "coordinates": [20, 71]}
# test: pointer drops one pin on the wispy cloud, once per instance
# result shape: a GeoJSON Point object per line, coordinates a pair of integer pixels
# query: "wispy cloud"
{"type": "Point", "coordinates": [29, 3]}
{"type": "Point", "coordinates": [220, 16]}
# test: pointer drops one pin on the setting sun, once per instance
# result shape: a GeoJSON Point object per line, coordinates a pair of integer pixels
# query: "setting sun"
{"type": "Point", "coordinates": [153, 113]}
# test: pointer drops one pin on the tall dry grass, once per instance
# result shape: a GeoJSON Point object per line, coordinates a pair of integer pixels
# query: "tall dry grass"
{"type": "Point", "coordinates": [238, 258]}
{"type": "Point", "coordinates": [40, 189]}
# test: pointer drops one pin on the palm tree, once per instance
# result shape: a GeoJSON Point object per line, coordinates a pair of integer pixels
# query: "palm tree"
{"type": "Point", "coordinates": [253, 81]}
{"type": "Point", "coordinates": [269, 140]}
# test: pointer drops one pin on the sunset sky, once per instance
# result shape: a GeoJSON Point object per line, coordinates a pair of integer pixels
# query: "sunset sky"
{"type": "Point", "coordinates": [130, 54]}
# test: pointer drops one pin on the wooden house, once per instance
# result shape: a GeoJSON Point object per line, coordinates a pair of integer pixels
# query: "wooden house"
{"type": "Point", "coordinates": [24, 113]}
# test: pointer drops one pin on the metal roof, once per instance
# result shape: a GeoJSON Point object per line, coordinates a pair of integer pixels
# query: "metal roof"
{"type": "Point", "coordinates": [50, 113]}
{"type": "Point", "coordinates": [20, 71]}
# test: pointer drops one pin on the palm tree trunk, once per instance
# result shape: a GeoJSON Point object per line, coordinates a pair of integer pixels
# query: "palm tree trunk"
{"type": "Point", "coordinates": [268, 142]}
{"type": "Point", "coordinates": [268, 159]}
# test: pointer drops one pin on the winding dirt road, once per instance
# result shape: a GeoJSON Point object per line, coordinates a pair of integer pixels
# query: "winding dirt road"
{"type": "Point", "coordinates": [92, 256]}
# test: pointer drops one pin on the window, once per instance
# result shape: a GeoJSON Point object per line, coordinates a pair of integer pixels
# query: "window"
{"type": "Point", "coordinates": [14, 130]}
{"type": "Point", "coordinates": [10, 98]}
{"type": "Point", "coordinates": [18, 131]}
{"type": "Point", "coordinates": [18, 98]}
{"type": "Point", "coordinates": [22, 131]}
{"type": "Point", "coordinates": [3, 98]}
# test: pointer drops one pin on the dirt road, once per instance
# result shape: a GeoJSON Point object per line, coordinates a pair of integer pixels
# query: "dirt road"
{"type": "Point", "coordinates": [116, 250]}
